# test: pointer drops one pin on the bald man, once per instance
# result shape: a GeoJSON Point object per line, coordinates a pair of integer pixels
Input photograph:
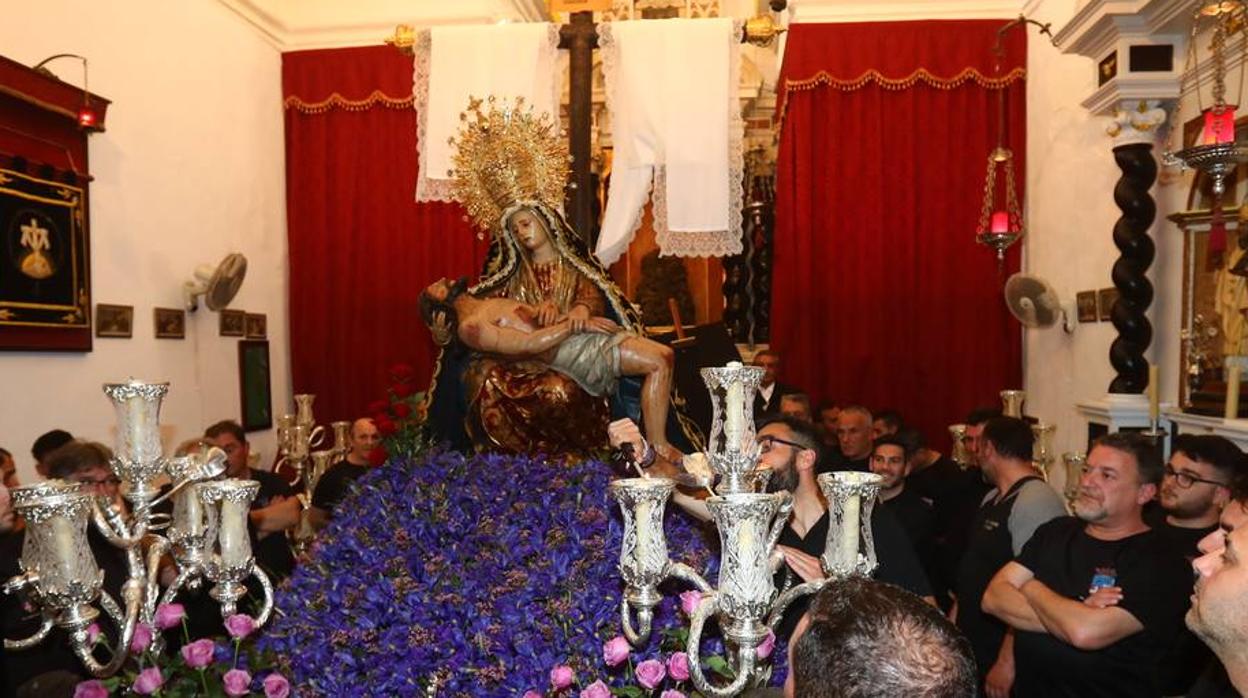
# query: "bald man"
{"type": "Point", "coordinates": [332, 486]}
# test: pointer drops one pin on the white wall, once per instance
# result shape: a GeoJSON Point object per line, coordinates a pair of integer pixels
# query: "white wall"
{"type": "Point", "coordinates": [1071, 213]}
{"type": "Point", "coordinates": [190, 168]}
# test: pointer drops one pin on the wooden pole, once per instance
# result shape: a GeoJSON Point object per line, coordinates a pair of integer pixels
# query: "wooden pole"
{"type": "Point", "coordinates": [580, 38]}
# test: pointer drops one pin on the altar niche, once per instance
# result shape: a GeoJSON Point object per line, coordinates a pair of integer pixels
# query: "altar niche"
{"type": "Point", "coordinates": [1215, 286]}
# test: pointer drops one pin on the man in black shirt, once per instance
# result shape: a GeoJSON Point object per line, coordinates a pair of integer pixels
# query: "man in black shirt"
{"type": "Point", "coordinates": [790, 449]}
{"type": "Point", "coordinates": [275, 508]}
{"type": "Point", "coordinates": [1095, 600]}
{"type": "Point", "coordinates": [890, 459]}
{"type": "Point", "coordinates": [332, 486]}
{"type": "Point", "coordinates": [1194, 491]}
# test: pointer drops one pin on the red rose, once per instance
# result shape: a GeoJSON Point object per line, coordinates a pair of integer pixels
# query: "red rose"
{"type": "Point", "coordinates": [402, 373]}
{"type": "Point", "coordinates": [377, 406]}
{"type": "Point", "coordinates": [385, 425]}
{"type": "Point", "coordinates": [377, 456]}
{"type": "Point", "coordinates": [401, 409]}
{"type": "Point", "coordinates": [401, 390]}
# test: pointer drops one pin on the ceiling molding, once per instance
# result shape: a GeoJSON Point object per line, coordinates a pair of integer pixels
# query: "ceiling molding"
{"type": "Point", "coordinates": [890, 11]}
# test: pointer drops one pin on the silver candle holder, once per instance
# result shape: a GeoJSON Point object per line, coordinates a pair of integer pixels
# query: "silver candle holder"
{"type": "Point", "coordinates": [745, 602]}
{"type": "Point", "coordinates": [1074, 466]}
{"type": "Point", "coordinates": [1012, 403]}
{"type": "Point", "coordinates": [1042, 450]}
{"type": "Point", "coordinates": [59, 575]}
{"type": "Point", "coordinates": [957, 432]}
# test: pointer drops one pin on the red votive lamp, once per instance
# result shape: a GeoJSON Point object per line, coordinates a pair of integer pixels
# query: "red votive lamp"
{"type": "Point", "coordinates": [1219, 126]}
{"type": "Point", "coordinates": [86, 117]}
{"type": "Point", "coordinates": [1000, 222]}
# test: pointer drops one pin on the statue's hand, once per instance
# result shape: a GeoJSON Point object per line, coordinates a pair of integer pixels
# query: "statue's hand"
{"type": "Point", "coordinates": [601, 325]}
{"type": "Point", "coordinates": [579, 317]}
{"type": "Point", "coordinates": [441, 328]}
{"type": "Point", "coordinates": [547, 314]}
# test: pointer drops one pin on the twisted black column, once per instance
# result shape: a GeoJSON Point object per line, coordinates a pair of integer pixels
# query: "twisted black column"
{"type": "Point", "coordinates": [1135, 292]}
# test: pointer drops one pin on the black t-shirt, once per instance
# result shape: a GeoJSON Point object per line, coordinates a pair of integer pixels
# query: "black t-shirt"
{"type": "Point", "coordinates": [272, 552]}
{"type": "Point", "coordinates": [1066, 559]}
{"type": "Point", "coordinates": [332, 486]}
{"type": "Point", "coordinates": [838, 462]}
{"type": "Point", "coordinates": [897, 562]}
{"type": "Point", "coordinates": [1187, 656]}
{"type": "Point", "coordinates": [915, 515]}
{"type": "Point", "coordinates": [956, 495]}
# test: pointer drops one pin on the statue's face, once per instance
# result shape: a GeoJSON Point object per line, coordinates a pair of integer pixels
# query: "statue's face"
{"type": "Point", "coordinates": [529, 229]}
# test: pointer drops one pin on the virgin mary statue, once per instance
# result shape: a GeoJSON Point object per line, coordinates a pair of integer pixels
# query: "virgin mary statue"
{"type": "Point", "coordinates": [510, 173]}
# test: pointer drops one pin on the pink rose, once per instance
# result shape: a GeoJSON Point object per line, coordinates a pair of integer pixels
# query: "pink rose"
{"type": "Point", "coordinates": [671, 693]}
{"type": "Point", "coordinates": [141, 639]}
{"type": "Point", "coordinates": [769, 643]}
{"type": "Point", "coordinates": [596, 689]}
{"type": "Point", "coordinates": [198, 654]}
{"type": "Point", "coordinates": [650, 674]}
{"type": "Point", "coordinates": [237, 682]}
{"type": "Point", "coordinates": [169, 615]}
{"type": "Point", "coordinates": [90, 689]}
{"type": "Point", "coordinates": [240, 625]}
{"type": "Point", "coordinates": [678, 666]}
{"type": "Point", "coordinates": [561, 677]}
{"type": "Point", "coordinates": [615, 651]}
{"type": "Point", "coordinates": [93, 633]}
{"type": "Point", "coordinates": [276, 686]}
{"type": "Point", "coordinates": [689, 601]}
{"type": "Point", "coordinates": [149, 681]}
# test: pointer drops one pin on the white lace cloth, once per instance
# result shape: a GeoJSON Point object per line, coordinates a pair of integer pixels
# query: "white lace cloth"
{"type": "Point", "coordinates": [458, 62]}
{"type": "Point", "coordinates": [676, 124]}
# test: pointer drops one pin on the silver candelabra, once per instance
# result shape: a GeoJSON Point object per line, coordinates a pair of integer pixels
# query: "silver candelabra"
{"type": "Point", "coordinates": [208, 535]}
{"type": "Point", "coordinates": [297, 436]}
{"type": "Point", "coordinates": [745, 604]}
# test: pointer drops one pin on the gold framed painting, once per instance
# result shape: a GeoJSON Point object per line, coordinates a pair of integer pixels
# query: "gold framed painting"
{"type": "Point", "coordinates": [257, 326]}
{"type": "Point", "coordinates": [170, 323]}
{"type": "Point", "coordinates": [233, 323]}
{"type": "Point", "coordinates": [114, 320]}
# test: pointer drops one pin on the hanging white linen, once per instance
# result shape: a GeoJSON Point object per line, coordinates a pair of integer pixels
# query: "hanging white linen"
{"type": "Point", "coordinates": [455, 63]}
{"type": "Point", "coordinates": [677, 132]}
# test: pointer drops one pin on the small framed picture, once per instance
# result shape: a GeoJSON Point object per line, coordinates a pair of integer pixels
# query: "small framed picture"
{"type": "Point", "coordinates": [1105, 300]}
{"type": "Point", "coordinates": [1085, 304]}
{"type": "Point", "coordinates": [114, 320]}
{"type": "Point", "coordinates": [257, 326]}
{"type": "Point", "coordinates": [170, 323]}
{"type": "Point", "coordinates": [233, 323]}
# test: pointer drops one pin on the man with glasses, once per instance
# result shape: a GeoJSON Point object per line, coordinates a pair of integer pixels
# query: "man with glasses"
{"type": "Point", "coordinates": [1194, 491]}
{"type": "Point", "coordinates": [1096, 599]}
{"type": "Point", "coordinates": [790, 449]}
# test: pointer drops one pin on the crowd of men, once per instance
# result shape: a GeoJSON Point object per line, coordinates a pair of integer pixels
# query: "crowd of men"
{"type": "Point", "coordinates": [50, 668]}
{"type": "Point", "coordinates": [1030, 600]}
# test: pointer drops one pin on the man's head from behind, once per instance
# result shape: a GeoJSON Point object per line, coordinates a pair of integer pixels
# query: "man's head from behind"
{"type": "Point", "coordinates": [45, 445]}
{"type": "Point", "coordinates": [229, 436]}
{"type": "Point", "coordinates": [867, 638]}
{"type": "Point", "coordinates": [1198, 477]}
{"type": "Point", "coordinates": [1121, 476]}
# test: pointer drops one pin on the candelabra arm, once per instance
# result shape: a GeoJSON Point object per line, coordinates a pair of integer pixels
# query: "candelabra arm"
{"type": "Point", "coordinates": [679, 570]}
{"type": "Point", "coordinates": [133, 594]}
{"type": "Point", "coordinates": [640, 635]}
{"type": "Point", "coordinates": [156, 548]}
{"type": "Point", "coordinates": [780, 522]}
{"type": "Point", "coordinates": [745, 655]}
{"type": "Point", "coordinates": [317, 437]}
{"type": "Point", "coordinates": [266, 584]}
{"type": "Point", "coordinates": [110, 523]}
{"type": "Point", "coordinates": [26, 643]}
{"type": "Point", "coordinates": [782, 601]}
{"type": "Point", "coordinates": [184, 575]}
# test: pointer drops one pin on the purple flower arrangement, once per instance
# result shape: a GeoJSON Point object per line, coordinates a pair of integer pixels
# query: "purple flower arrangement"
{"type": "Point", "coordinates": [490, 575]}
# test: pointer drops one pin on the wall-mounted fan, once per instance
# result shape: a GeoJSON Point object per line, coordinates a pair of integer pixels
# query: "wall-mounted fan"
{"type": "Point", "coordinates": [1034, 302]}
{"type": "Point", "coordinates": [218, 285]}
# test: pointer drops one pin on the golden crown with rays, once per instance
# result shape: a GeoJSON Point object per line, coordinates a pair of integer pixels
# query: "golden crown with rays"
{"type": "Point", "coordinates": [507, 156]}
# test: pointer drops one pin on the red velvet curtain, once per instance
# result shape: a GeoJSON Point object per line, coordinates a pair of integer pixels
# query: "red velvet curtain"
{"type": "Point", "coordinates": [361, 248]}
{"type": "Point", "coordinates": [881, 295]}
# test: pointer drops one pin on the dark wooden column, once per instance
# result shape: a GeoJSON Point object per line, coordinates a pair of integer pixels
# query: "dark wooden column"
{"type": "Point", "coordinates": [580, 38]}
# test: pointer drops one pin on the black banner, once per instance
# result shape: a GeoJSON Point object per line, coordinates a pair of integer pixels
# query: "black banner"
{"type": "Point", "coordinates": [43, 254]}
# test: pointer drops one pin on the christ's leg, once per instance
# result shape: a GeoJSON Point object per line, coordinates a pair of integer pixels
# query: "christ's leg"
{"type": "Point", "coordinates": [654, 361]}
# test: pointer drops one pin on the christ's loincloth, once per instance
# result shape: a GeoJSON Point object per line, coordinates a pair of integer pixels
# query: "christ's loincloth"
{"type": "Point", "coordinates": [592, 359]}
